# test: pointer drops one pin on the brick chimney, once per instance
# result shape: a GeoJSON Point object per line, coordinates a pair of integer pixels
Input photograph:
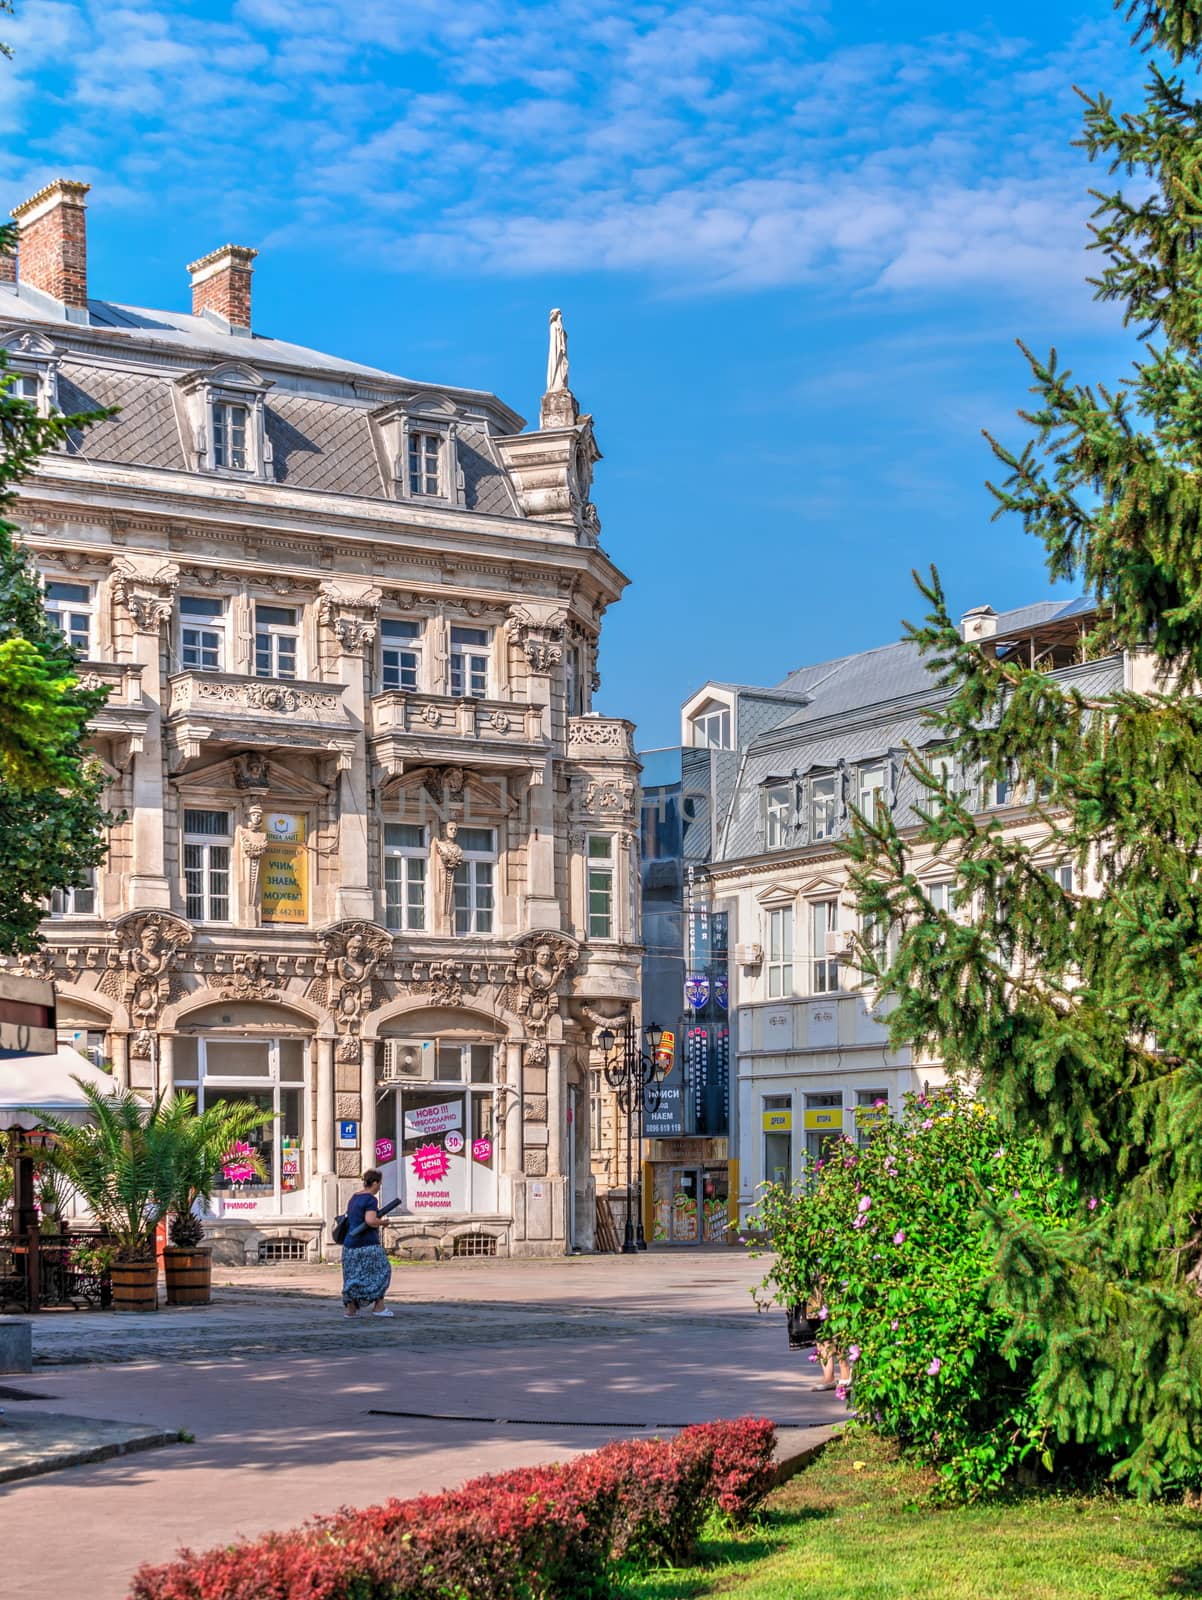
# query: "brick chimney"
{"type": "Point", "coordinates": [53, 251]}
{"type": "Point", "coordinates": [221, 283]}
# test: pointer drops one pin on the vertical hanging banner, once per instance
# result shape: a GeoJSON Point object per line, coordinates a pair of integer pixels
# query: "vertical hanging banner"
{"type": "Point", "coordinates": [284, 875]}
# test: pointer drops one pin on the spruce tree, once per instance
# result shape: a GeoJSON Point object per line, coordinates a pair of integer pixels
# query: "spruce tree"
{"type": "Point", "coordinates": [1079, 1018]}
{"type": "Point", "coordinates": [52, 824]}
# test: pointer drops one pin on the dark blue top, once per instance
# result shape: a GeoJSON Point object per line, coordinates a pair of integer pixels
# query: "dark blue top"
{"type": "Point", "coordinates": [358, 1233]}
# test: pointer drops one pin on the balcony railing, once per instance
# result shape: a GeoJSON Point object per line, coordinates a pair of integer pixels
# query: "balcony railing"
{"type": "Point", "coordinates": [441, 727]}
{"type": "Point", "coordinates": [600, 739]}
{"type": "Point", "coordinates": [223, 707]}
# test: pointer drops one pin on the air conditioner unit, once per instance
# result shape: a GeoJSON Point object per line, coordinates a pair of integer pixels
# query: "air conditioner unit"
{"type": "Point", "coordinates": [749, 955]}
{"type": "Point", "coordinates": [406, 1058]}
{"type": "Point", "coordinates": [839, 943]}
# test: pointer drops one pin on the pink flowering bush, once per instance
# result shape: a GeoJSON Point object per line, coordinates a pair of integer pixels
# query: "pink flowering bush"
{"type": "Point", "coordinates": [892, 1245]}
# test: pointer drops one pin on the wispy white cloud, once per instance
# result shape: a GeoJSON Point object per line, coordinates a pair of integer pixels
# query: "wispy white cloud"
{"type": "Point", "coordinates": [698, 143]}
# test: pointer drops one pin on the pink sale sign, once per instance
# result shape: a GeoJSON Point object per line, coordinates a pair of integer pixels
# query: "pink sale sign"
{"type": "Point", "coordinates": [430, 1163]}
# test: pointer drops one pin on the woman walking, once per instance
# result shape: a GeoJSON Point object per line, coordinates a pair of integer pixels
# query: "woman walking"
{"type": "Point", "coordinates": [366, 1273]}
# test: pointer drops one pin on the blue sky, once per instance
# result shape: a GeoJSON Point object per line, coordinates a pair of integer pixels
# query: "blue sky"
{"type": "Point", "coordinates": [793, 243]}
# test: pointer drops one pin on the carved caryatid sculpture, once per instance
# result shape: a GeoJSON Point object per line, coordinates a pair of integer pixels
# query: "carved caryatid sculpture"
{"type": "Point", "coordinates": [252, 843]}
{"type": "Point", "coordinates": [450, 858]}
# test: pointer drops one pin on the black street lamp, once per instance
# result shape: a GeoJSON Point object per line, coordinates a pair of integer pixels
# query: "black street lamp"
{"type": "Point", "coordinates": [634, 1076]}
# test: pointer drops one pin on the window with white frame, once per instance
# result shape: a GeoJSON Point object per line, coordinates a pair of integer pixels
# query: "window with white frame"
{"type": "Point", "coordinates": [207, 840]}
{"type": "Point", "coordinates": [874, 934]}
{"type": "Point", "coordinates": [77, 901]}
{"type": "Point", "coordinates": [276, 635]}
{"type": "Point", "coordinates": [1062, 874]}
{"type": "Point", "coordinates": [469, 663]}
{"type": "Point", "coordinates": [780, 952]}
{"type": "Point", "coordinates": [872, 1112]}
{"type": "Point", "coordinates": [824, 963]}
{"type": "Point", "coordinates": [400, 654]}
{"type": "Point", "coordinates": [474, 881]}
{"type": "Point", "coordinates": [406, 855]}
{"type": "Point", "coordinates": [942, 768]}
{"type": "Point", "coordinates": [425, 455]}
{"type": "Point", "coordinates": [711, 727]}
{"type": "Point", "coordinates": [870, 797]}
{"type": "Point", "coordinates": [600, 886]}
{"type": "Point", "coordinates": [1000, 790]}
{"type": "Point", "coordinates": [69, 609]}
{"type": "Point", "coordinates": [231, 431]}
{"type": "Point", "coordinates": [201, 633]}
{"type": "Point", "coordinates": [824, 806]}
{"type": "Point", "coordinates": [596, 1101]}
{"type": "Point", "coordinates": [778, 818]}
{"type": "Point", "coordinates": [939, 894]}
{"type": "Point", "coordinates": [25, 386]}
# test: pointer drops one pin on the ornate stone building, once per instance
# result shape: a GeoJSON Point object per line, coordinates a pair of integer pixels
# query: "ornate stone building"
{"type": "Point", "coordinates": [376, 866]}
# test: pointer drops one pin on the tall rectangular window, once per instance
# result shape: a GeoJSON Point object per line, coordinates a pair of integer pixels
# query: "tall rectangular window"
{"type": "Point", "coordinates": [207, 865]}
{"type": "Point", "coordinates": [78, 901]}
{"type": "Point", "coordinates": [229, 435]}
{"type": "Point", "coordinates": [596, 1100]}
{"type": "Point", "coordinates": [940, 895]}
{"type": "Point", "coordinates": [400, 654]}
{"type": "Point", "coordinates": [201, 633]}
{"type": "Point", "coordinates": [600, 886]}
{"type": "Point", "coordinates": [423, 463]}
{"type": "Point", "coordinates": [469, 663]}
{"type": "Point", "coordinates": [1062, 874]}
{"type": "Point", "coordinates": [824, 965]}
{"type": "Point", "coordinates": [871, 796]}
{"type": "Point", "coordinates": [872, 1112]}
{"type": "Point", "coordinates": [276, 634]}
{"type": "Point", "coordinates": [405, 856]}
{"type": "Point", "coordinates": [69, 609]}
{"type": "Point", "coordinates": [780, 952]}
{"type": "Point", "coordinates": [25, 386]}
{"type": "Point", "coordinates": [824, 814]}
{"type": "Point", "coordinates": [777, 1114]}
{"type": "Point", "coordinates": [474, 889]}
{"type": "Point", "coordinates": [1000, 790]}
{"type": "Point", "coordinates": [777, 805]}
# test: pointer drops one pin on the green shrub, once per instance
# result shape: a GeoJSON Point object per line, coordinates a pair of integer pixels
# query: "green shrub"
{"type": "Point", "coordinates": [893, 1245]}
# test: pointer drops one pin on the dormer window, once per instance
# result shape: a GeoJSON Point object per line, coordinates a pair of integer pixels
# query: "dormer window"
{"type": "Point", "coordinates": [425, 451]}
{"type": "Point", "coordinates": [229, 435]}
{"type": "Point", "coordinates": [30, 370]}
{"type": "Point", "coordinates": [25, 386]}
{"type": "Point", "coordinates": [711, 727]}
{"type": "Point", "coordinates": [777, 816]}
{"type": "Point", "coordinates": [226, 408]}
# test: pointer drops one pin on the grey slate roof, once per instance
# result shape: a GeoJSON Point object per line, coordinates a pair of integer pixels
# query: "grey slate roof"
{"type": "Point", "coordinates": [865, 708]}
{"type": "Point", "coordinates": [317, 412]}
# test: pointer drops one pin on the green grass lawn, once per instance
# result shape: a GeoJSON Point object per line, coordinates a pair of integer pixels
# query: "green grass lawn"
{"type": "Point", "coordinates": [838, 1532]}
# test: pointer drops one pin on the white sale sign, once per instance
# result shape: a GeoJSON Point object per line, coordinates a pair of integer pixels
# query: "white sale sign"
{"type": "Point", "coordinates": [422, 1121]}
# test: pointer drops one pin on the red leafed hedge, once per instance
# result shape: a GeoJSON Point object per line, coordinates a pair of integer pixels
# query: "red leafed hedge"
{"type": "Point", "coordinates": [537, 1533]}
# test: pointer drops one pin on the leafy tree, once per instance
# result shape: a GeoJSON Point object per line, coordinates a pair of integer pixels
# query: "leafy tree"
{"type": "Point", "coordinates": [1080, 1017]}
{"type": "Point", "coordinates": [51, 819]}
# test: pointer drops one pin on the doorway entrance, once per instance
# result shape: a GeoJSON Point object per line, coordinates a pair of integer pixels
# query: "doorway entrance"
{"type": "Point", "coordinates": [690, 1204]}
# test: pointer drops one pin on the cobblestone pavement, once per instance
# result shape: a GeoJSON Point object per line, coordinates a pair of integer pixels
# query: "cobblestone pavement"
{"type": "Point", "coordinates": [296, 1410]}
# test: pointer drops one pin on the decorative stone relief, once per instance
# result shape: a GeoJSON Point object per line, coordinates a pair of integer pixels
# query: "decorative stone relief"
{"type": "Point", "coordinates": [249, 979]}
{"type": "Point", "coordinates": [608, 794]}
{"type": "Point", "coordinates": [602, 736]}
{"type": "Point", "coordinates": [351, 615]}
{"type": "Point", "coordinates": [542, 960]}
{"type": "Point", "coordinates": [250, 771]}
{"type": "Point", "coordinates": [146, 590]}
{"type": "Point", "coordinates": [346, 981]}
{"type": "Point", "coordinates": [535, 1108]}
{"type": "Point", "coordinates": [536, 1162]}
{"type": "Point", "coordinates": [539, 633]}
{"type": "Point", "coordinates": [143, 970]}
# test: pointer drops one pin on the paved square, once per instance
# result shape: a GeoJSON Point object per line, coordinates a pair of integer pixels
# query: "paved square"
{"type": "Point", "coordinates": [296, 1410]}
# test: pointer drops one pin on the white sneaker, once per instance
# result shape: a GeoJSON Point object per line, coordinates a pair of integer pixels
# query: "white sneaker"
{"type": "Point", "coordinates": [383, 1313]}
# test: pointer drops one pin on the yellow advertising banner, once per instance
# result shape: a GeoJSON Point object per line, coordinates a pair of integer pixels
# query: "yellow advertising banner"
{"type": "Point", "coordinates": [284, 874]}
{"type": "Point", "coordinates": [830, 1118]}
{"type": "Point", "coordinates": [778, 1121]}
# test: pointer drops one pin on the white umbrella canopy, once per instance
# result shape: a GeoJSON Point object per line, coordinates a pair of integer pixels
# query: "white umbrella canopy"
{"type": "Point", "coordinates": [31, 1084]}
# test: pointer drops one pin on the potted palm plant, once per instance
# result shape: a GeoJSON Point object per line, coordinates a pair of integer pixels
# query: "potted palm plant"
{"type": "Point", "coordinates": [205, 1144]}
{"type": "Point", "coordinates": [122, 1164]}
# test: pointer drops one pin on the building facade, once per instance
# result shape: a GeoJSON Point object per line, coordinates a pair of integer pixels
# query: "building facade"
{"type": "Point", "coordinates": [376, 862]}
{"type": "Point", "coordinates": [810, 1042]}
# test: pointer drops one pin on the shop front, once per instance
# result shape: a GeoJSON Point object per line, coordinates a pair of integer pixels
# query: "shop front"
{"type": "Point", "coordinates": [687, 1189]}
{"type": "Point", "coordinates": [436, 1142]}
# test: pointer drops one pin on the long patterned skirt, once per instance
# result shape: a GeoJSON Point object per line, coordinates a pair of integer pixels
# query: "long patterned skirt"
{"type": "Point", "coordinates": [366, 1275]}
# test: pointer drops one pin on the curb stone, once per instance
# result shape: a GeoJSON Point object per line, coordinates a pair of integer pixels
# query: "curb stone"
{"type": "Point", "coordinates": [38, 1442]}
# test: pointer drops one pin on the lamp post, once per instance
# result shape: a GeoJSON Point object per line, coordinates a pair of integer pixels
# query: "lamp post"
{"type": "Point", "coordinates": [633, 1075]}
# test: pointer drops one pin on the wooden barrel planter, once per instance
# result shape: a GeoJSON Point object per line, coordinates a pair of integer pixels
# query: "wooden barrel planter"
{"type": "Point", "coordinates": [189, 1276]}
{"type": "Point", "coordinates": [135, 1285]}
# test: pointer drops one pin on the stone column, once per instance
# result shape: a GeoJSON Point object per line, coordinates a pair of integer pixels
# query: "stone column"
{"type": "Point", "coordinates": [367, 1098]}
{"type": "Point", "coordinates": [166, 1063]}
{"type": "Point", "coordinates": [144, 588]}
{"type": "Point", "coordinates": [556, 1103]}
{"type": "Point", "coordinates": [348, 612]}
{"type": "Point", "coordinates": [538, 629]}
{"type": "Point", "coordinates": [325, 1107]}
{"type": "Point", "coordinates": [512, 1113]}
{"type": "Point", "coordinates": [119, 1043]}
